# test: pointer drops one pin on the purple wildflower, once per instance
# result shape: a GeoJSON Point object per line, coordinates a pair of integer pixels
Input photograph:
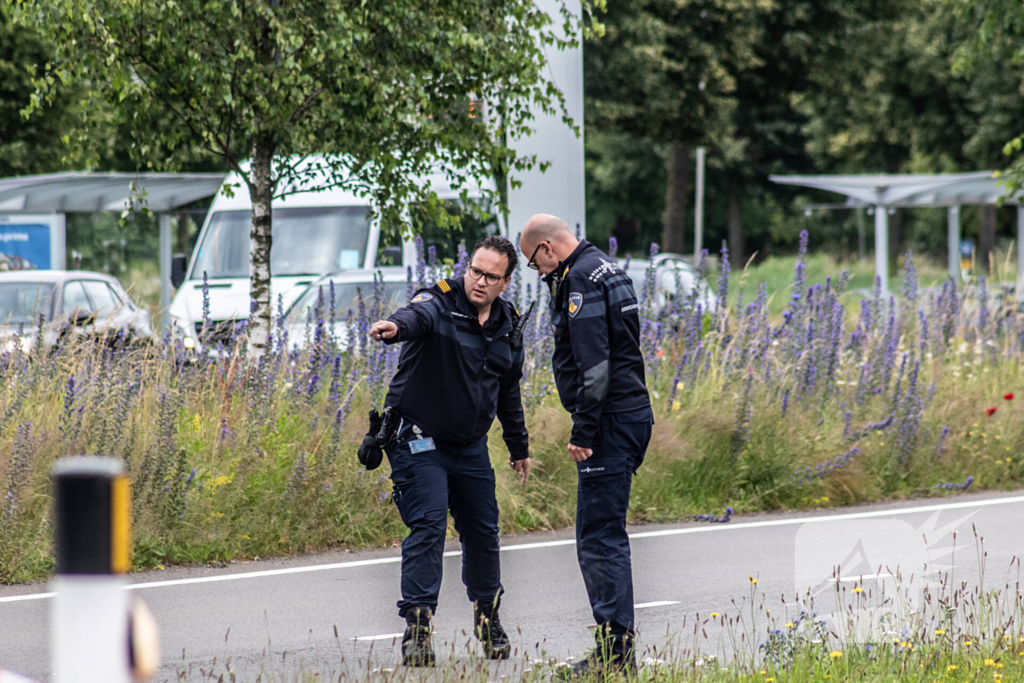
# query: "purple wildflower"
{"type": "Point", "coordinates": [957, 487]}
{"type": "Point", "coordinates": [942, 440]}
{"type": "Point", "coordinates": [724, 519]}
{"type": "Point", "coordinates": [823, 469]}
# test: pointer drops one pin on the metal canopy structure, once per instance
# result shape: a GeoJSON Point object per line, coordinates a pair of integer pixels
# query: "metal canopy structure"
{"type": "Point", "coordinates": [161, 193]}
{"type": "Point", "coordinates": [888, 192]}
{"type": "Point", "coordinates": [86, 192]}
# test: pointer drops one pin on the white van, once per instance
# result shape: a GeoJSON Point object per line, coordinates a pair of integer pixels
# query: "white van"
{"type": "Point", "coordinates": [315, 234]}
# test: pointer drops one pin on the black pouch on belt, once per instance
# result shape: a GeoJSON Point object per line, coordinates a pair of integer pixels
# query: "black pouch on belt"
{"type": "Point", "coordinates": [371, 451]}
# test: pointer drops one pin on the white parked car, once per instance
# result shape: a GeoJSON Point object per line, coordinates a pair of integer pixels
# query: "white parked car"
{"type": "Point", "coordinates": [674, 277]}
{"type": "Point", "coordinates": [70, 302]}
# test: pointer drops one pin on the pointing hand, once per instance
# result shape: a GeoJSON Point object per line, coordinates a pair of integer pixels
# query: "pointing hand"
{"type": "Point", "coordinates": [383, 329]}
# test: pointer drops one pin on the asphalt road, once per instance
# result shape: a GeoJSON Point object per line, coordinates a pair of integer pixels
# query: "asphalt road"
{"type": "Point", "coordinates": [336, 613]}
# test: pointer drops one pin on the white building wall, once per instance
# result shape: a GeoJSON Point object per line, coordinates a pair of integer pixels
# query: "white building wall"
{"type": "Point", "coordinates": [559, 190]}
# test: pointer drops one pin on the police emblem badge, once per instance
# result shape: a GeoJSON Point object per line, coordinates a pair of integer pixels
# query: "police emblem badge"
{"type": "Point", "coordinates": [420, 298]}
{"type": "Point", "coordinates": [575, 303]}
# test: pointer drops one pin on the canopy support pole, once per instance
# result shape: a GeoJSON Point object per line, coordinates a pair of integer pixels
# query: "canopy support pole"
{"type": "Point", "coordinates": [882, 246]}
{"type": "Point", "coordinates": [954, 242]}
{"type": "Point", "coordinates": [861, 247]}
{"type": "Point", "coordinates": [165, 272]}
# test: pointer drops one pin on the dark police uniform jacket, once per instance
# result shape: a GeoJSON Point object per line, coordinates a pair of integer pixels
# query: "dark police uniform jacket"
{"type": "Point", "coordinates": [453, 375]}
{"type": "Point", "coordinates": [597, 361]}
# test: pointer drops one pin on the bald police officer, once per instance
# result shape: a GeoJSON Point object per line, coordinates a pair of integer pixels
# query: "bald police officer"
{"type": "Point", "coordinates": [459, 367]}
{"type": "Point", "coordinates": [599, 372]}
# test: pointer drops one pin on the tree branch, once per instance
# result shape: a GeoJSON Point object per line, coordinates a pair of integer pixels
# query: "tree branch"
{"type": "Point", "coordinates": [304, 107]}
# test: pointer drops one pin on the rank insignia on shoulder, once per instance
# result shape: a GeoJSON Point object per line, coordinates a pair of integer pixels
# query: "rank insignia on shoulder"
{"type": "Point", "coordinates": [575, 303]}
{"type": "Point", "coordinates": [444, 286]}
{"type": "Point", "coordinates": [420, 298]}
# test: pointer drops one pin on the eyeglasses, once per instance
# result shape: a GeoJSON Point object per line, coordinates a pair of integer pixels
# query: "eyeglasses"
{"type": "Point", "coordinates": [531, 264]}
{"type": "Point", "coordinates": [490, 278]}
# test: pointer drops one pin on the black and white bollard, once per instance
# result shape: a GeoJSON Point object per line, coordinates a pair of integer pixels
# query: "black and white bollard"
{"type": "Point", "coordinates": [90, 619]}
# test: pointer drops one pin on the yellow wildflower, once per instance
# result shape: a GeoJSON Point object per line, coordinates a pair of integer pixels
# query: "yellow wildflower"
{"type": "Point", "coordinates": [939, 632]}
{"type": "Point", "coordinates": [789, 624]}
{"type": "Point", "coordinates": [714, 614]}
{"type": "Point", "coordinates": [858, 589]}
{"type": "Point", "coordinates": [951, 667]}
{"type": "Point", "coordinates": [990, 662]}
{"type": "Point", "coordinates": [968, 643]}
{"type": "Point", "coordinates": [835, 654]}
{"type": "Point", "coordinates": [752, 579]}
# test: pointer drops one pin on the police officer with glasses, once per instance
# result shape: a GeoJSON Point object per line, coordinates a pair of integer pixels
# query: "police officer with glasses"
{"type": "Point", "coordinates": [459, 367]}
{"type": "Point", "coordinates": [599, 372]}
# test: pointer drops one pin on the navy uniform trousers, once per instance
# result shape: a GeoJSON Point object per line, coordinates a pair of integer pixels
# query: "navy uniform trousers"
{"type": "Point", "coordinates": [428, 485]}
{"type": "Point", "coordinates": [602, 500]}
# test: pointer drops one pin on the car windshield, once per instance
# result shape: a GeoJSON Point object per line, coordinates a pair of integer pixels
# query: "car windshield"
{"type": "Point", "coordinates": [346, 298]}
{"type": "Point", "coordinates": [306, 242]}
{"type": "Point", "coordinates": [23, 302]}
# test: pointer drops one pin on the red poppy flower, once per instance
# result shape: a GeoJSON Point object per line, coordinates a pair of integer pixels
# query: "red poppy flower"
{"type": "Point", "coordinates": [1009, 396]}
{"type": "Point", "coordinates": [990, 412]}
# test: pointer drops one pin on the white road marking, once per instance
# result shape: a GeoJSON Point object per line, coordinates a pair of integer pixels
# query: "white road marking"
{"type": "Point", "coordinates": [870, 577]}
{"type": "Point", "coordinates": [31, 596]}
{"type": "Point", "coordinates": [554, 544]}
{"type": "Point", "coordinates": [386, 636]}
{"type": "Point", "coordinates": [659, 603]}
{"type": "Point", "coordinates": [830, 518]}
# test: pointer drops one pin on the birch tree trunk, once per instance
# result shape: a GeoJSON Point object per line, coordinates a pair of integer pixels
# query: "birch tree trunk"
{"type": "Point", "coordinates": [261, 192]}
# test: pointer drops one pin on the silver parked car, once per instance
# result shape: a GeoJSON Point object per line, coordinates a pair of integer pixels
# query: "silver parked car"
{"type": "Point", "coordinates": [349, 285]}
{"type": "Point", "coordinates": [673, 277]}
{"type": "Point", "coordinates": [70, 302]}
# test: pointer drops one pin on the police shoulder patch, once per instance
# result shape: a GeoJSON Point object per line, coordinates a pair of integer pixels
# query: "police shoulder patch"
{"type": "Point", "coordinates": [444, 286]}
{"type": "Point", "coordinates": [575, 303]}
{"type": "Point", "coordinates": [420, 298]}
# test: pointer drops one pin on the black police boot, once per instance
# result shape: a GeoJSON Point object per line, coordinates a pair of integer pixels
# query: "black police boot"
{"type": "Point", "coordinates": [613, 655]}
{"type": "Point", "coordinates": [416, 648]}
{"type": "Point", "coordinates": [487, 627]}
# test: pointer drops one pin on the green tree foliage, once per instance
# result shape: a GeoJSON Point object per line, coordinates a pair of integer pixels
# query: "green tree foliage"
{"type": "Point", "coordinates": [386, 90]}
{"type": "Point", "coordinates": [26, 146]}
{"type": "Point", "coordinates": [802, 86]}
{"type": "Point", "coordinates": [664, 71]}
{"type": "Point", "coordinates": [887, 101]}
{"type": "Point", "coordinates": [990, 52]}
{"type": "Point", "coordinates": [765, 133]}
